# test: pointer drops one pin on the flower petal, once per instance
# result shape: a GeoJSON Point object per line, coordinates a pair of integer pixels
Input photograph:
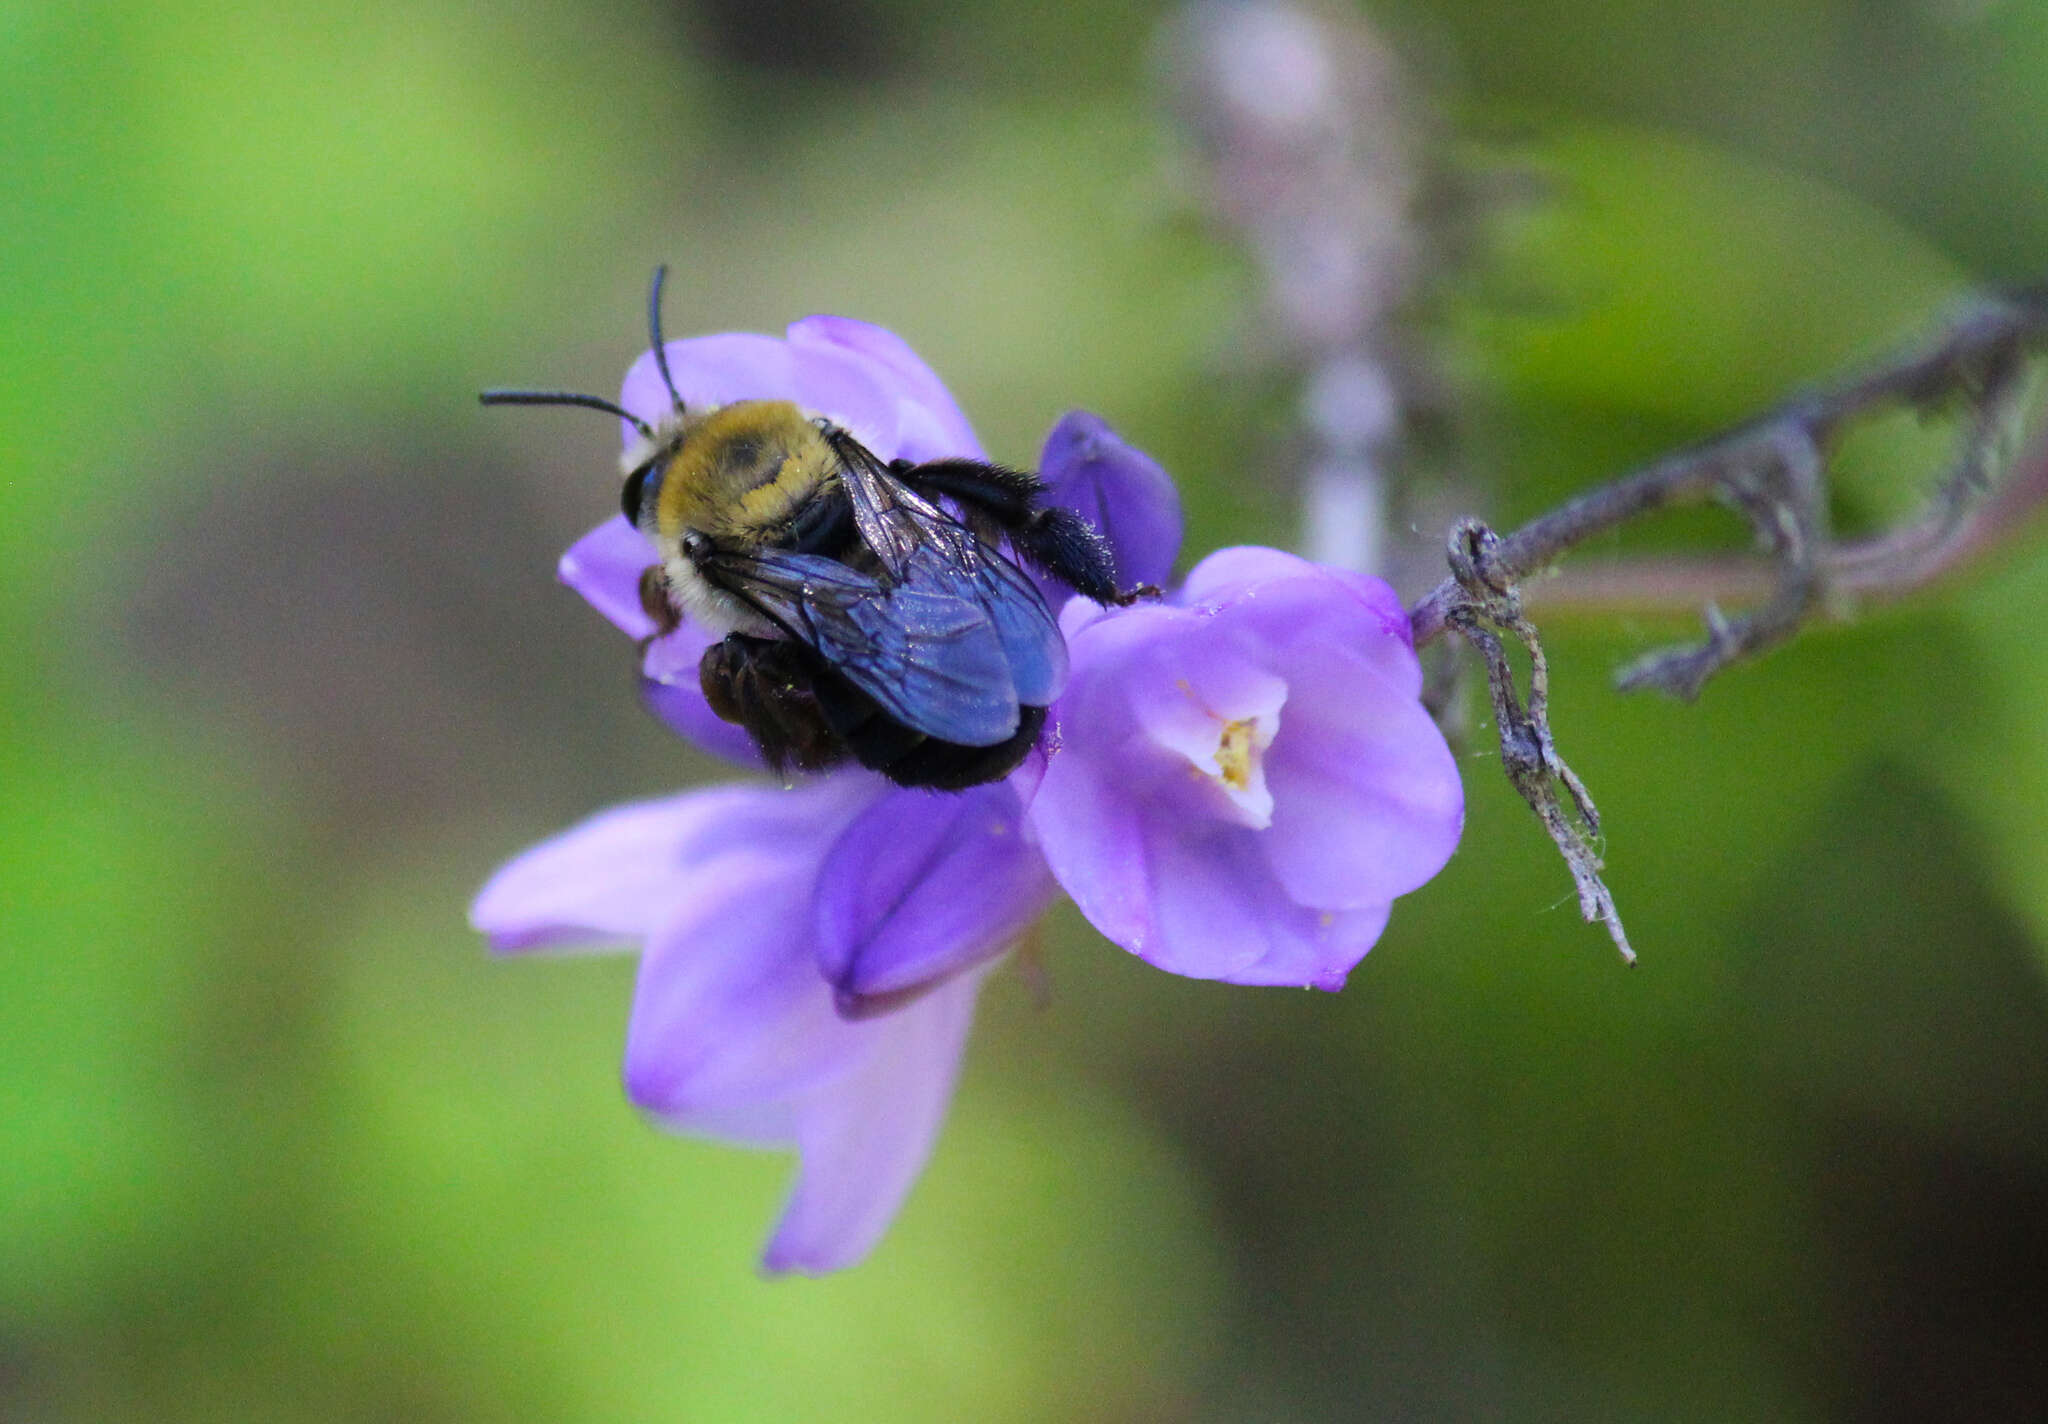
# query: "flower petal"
{"type": "Point", "coordinates": [620, 873]}
{"type": "Point", "coordinates": [1094, 843]}
{"type": "Point", "coordinates": [735, 366]}
{"type": "Point", "coordinates": [729, 1011]}
{"type": "Point", "coordinates": [710, 371]}
{"type": "Point", "coordinates": [1368, 804]}
{"type": "Point", "coordinates": [865, 1136]}
{"type": "Point", "coordinates": [1119, 489]}
{"type": "Point", "coordinates": [1190, 894]}
{"type": "Point", "coordinates": [1221, 915]}
{"type": "Point", "coordinates": [1313, 679]}
{"type": "Point", "coordinates": [1294, 600]}
{"type": "Point", "coordinates": [932, 426]}
{"type": "Point", "coordinates": [1090, 826]}
{"type": "Point", "coordinates": [605, 566]}
{"type": "Point", "coordinates": [682, 709]}
{"type": "Point", "coordinates": [920, 886]}
{"type": "Point", "coordinates": [1233, 574]}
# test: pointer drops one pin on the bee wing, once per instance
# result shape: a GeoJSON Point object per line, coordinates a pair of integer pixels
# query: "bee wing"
{"type": "Point", "coordinates": [921, 545]}
{"type": "Point", "coordinates": [1031, 639]}
{"type": "Point", "coordinates": [923, 648]}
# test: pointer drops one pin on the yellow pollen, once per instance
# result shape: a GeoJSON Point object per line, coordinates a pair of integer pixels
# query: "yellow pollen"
{"type": "Point", "coordinates": [1234, 754]}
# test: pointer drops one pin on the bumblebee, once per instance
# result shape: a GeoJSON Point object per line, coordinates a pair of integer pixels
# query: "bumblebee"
{"type": "Point", "coordinates": [867, 609]}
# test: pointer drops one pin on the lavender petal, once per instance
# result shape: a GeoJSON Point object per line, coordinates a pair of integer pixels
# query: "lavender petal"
{"type": "Point", "coordinates": [1221, 914]}
{"type": "Point", "coordinates": [1117, 488]}
{"type": "Point", "coordinates": [673, 691]}
{"type": "Point", "coordinates": [931, 424]}
{"type": "Point", "coordinates": [1367, 800]}
{"type": "Point", "coordinates": [1284, 872]}
{"type": "Point", "coordinates": [729, 1011]}
{"type": "Point", "coordinates": [605, 567]}
{"type": "Point", "coordinates": [920, 886]}
{"type": "Point", "coordinates": [711, 371]}
{"type": "Point", "coordinates": [622, 872]}
{"type": "Point", "coordinates": [682, 709]}
{"type": "Point", "coordinates": [865, 1136]}
{"type": "Point", "coordinates": [734, 366]}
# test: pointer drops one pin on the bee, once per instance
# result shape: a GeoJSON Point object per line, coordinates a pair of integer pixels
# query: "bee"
{"type": "Point", "coordinates": [866, 610]}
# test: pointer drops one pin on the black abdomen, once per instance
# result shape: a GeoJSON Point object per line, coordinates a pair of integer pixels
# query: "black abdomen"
{"type": "Point", "coordinates": [804, 716]}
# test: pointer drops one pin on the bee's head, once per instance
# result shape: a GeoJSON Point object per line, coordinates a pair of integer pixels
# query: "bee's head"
{"type": "Point", "coordinates": [642, 489]}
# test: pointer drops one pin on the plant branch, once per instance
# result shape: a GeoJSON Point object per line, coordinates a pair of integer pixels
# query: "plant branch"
{"type": "Point", "coordinates": [1773, 473]}
{"type": "Point", "coordinates": [1980, 360]}
{"type": "Point", "coordinates": [1527, 752]}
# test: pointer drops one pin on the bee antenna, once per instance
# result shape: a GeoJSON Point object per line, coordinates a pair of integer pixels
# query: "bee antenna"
{"type": "Point", "coordinates": [654, 335]}
{"type": "Point", "coordinates": [566, 398]}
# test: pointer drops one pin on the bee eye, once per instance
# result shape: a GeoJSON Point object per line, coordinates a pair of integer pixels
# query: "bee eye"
{"type": "Point", "coordinates": [631, 495]}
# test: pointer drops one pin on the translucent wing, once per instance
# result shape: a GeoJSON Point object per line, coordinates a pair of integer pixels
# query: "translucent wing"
{"type": "Point", "coordinates": [923, 648]}
{"type": "Point", "coordinates": [919, 544]}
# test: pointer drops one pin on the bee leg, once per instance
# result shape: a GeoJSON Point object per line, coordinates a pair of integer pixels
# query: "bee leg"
{"type": "Point", "coordinates": [1073, 551]}
{"type": "Point", "coordinates": [804, 716]}
{"type": "Point", "coordinates": [792, 704]}
{"type": "Point", "coordinates": [655, 602]}
{"type": "Point", "coordinates": [1054, 538]}
{"type": "Point", "coordinates": [765, 686]}
{"type": "Point", "coordinates": [718, 674]}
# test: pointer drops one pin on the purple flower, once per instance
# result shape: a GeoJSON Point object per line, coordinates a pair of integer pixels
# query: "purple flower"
{"type": "Point", "coordinates": [740, 896]}
{"type": "Point", "coordinates": [1241, 780]}
{"type": "Point", "coordinates": [1246, 777]}
{"type": "Point", "coordinates": [809, 962]}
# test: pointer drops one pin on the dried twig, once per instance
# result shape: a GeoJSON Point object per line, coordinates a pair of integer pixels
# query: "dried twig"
{"type": "Point", "coordinates": [1773, 472]}
{"type": "Point", "coordinates": [1486, 610]}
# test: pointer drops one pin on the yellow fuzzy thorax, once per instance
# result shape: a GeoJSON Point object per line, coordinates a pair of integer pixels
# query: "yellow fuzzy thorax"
{"type": "Point", "coordinates": [741, 469]}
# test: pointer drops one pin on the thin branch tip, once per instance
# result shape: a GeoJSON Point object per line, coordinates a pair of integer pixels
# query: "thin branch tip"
{"type": "Point", "coordinates": [1489, 607]}
{"type": "Point", "coordinates": [1772, 472]}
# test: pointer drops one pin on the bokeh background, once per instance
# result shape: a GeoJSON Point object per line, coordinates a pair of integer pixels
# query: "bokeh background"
{"type": "Point", "coordinates": [286, 675]}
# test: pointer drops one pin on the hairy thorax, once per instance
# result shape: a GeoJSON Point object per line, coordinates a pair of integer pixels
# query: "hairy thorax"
{"type": "Point", "coordinates": [737, 475]}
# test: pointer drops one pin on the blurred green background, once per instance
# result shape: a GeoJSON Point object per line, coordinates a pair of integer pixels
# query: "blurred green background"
{"type": "Point", "coordinates": [287, 675]}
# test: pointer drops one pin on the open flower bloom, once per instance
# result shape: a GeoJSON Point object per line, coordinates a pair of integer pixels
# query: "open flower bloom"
{"type": "Point", "coordinates": [734, 897]}
{"type": "Point", "coordinates": [1241, 782]}
{"type": "Point", "coordinates": [1246, 776]}
{"type": "Point", "coordinates": [809, 963]}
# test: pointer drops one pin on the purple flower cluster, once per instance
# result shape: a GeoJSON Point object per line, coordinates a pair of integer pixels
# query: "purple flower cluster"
{"type": "Point", "coordinates": [1236, 783]}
